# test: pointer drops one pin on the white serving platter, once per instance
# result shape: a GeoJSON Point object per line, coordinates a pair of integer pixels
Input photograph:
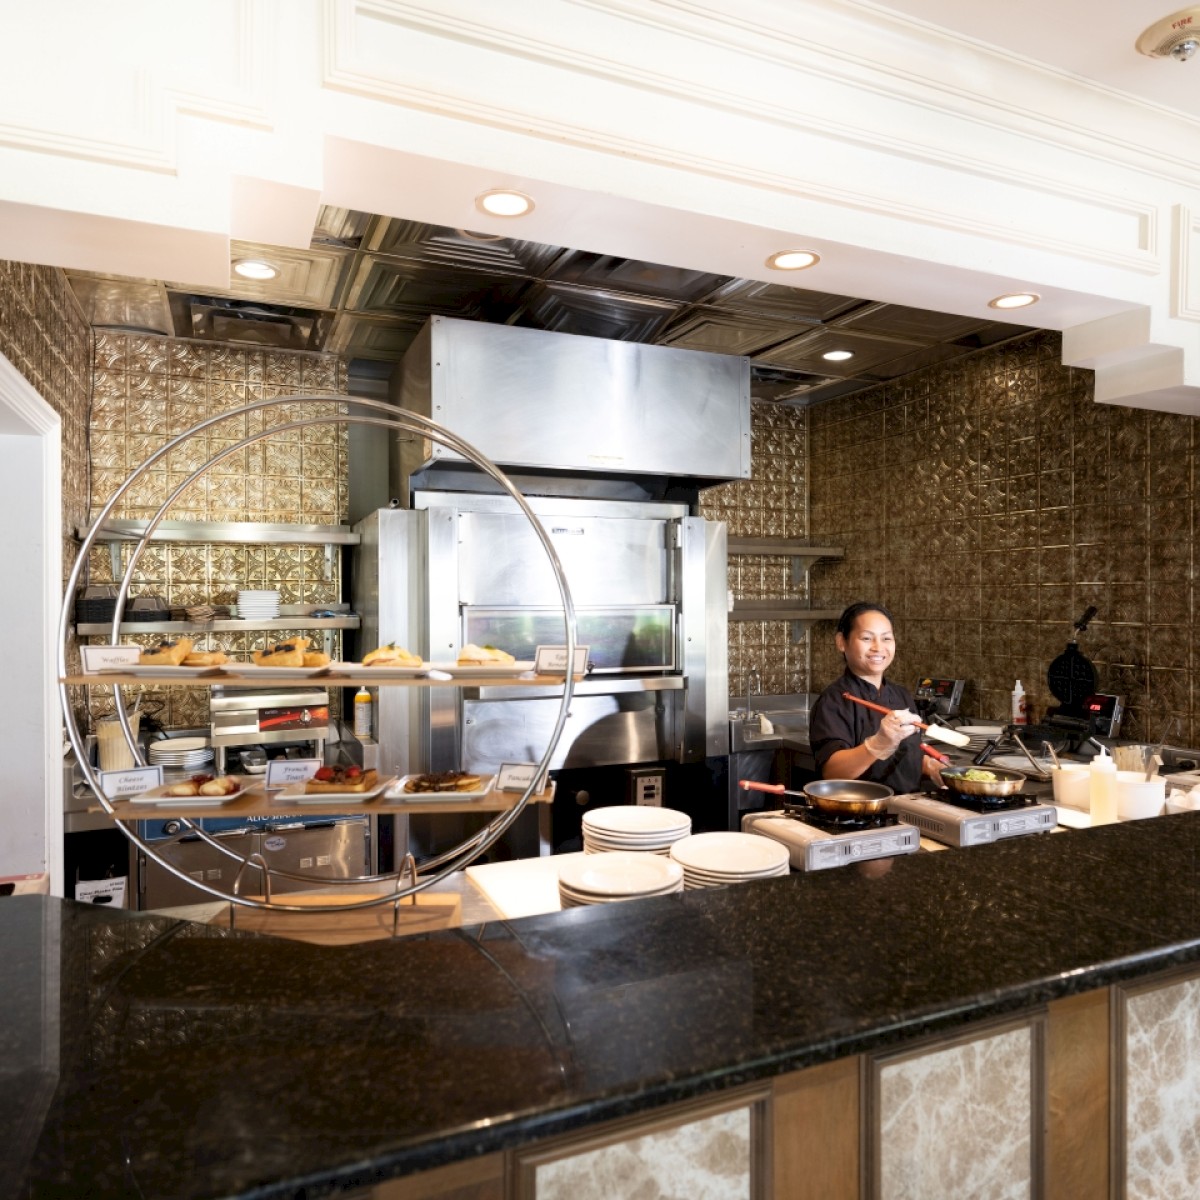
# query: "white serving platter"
{"type": "Point", "coordinates": [254, 671]}
{"type": "Point", "coordinates": [482, 671]}
{"type": "Point", "coordinates": [156, 671]}
{"type": "Point", "coordinates": [158, 796]}
{"type": "Point", "coordinates": [294, 793]}
{"type": "Point", "coordinates": [397, 792]}
{"type": "Point", "coordinates": [391, 671]}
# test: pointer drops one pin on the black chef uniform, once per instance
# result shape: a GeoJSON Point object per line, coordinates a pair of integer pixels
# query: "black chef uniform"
{"type": "Point", "coordinates": [835, 723]}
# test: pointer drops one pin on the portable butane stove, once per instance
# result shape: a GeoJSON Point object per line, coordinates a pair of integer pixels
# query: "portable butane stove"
{"type": "Point", "coordinates": [815, 842]}
{"type": "Point", "coordinates": [972, 820]}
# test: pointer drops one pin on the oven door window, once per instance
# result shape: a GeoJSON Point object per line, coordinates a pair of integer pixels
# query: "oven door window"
{"type": "Point", "coordinates": [634, 638]}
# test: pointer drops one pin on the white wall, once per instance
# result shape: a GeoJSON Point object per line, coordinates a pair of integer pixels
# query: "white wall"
{"type": "Point", "coordinates": [31, 802]}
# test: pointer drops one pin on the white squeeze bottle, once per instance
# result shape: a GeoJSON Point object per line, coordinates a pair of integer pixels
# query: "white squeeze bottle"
{"type": "Point", "coordinates": [1020, 706]}
{"type": "Point", "coordinates": [1103, 790]}
{"type": "Point", "coordinates": [362, 713]}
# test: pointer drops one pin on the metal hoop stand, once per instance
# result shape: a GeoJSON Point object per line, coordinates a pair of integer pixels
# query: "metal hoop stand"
{"type": "Point", "coordinates": [349, 410]}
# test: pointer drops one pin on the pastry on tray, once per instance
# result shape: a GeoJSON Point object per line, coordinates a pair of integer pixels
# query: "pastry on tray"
{"type": "Point", "coordinates": [483, 656]}
{"type": "Point", "coordinates": [283, 654]}
{"type": "Point", "coordinates": [340, 779]}
{"type": "Point", "coordinates": [206, 785]}
{"type": "Point", "coordinates": [443, 781]}
{"type": "Point", "coordinates": [205, 658]}
{"type": "Point", "coordinates": [170, 652]}
{"type": "Point", "coordinates": [391, 655]}
{"type": "Point", "coordinates": [316, 658]}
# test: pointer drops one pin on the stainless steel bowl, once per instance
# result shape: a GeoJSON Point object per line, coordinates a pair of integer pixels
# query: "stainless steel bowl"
{"type": "Point", "coordinates": [1005, 784]}
{"type": "Point", "coordinates": [847, 797]}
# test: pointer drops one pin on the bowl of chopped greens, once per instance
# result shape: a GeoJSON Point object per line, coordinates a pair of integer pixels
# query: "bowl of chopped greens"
{"type": "Point", "coordinates": [982, 781]}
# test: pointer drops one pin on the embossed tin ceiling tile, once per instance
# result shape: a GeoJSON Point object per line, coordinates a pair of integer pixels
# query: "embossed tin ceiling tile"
{"type": "Point", "coordinates": [775, 386]}
{"type": "Point", "coordinates": [345, 226]}
{"type": "Point", "coordinates": [307, 278]}
{"type": "Point", "coordinates": [914, 324]}
{"type": "Point", "coordinates": [116, 302]}
{"type": "Point", "coordinates": [723, 333]}
{"type": "Point", "coordinates": [400, 287]}
{"type": "Point", "coordinates": [607, 272]}
{"type": "Point", "coordinates": [779, 300]}
{"type": "Point", "coordinates": [442, 245]}
{"type": "Point", "coordinates": [385, 339]}
{"type": "Point", "coordinates": [565, 309]}
{"type": "Point", "coordinates": [905, 364]}
{"type": "Point", "coordinates": [804, 353]}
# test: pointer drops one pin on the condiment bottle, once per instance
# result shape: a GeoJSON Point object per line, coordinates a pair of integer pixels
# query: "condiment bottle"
{"type": "Point", "coordinates": [1020, 705]}
{"type": "Point", "coordinates": [362, 713]}
{"type": "Point", "coordinates": [1103, 789]}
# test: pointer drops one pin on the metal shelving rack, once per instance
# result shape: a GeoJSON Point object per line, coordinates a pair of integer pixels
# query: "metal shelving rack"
{"type": "Point", "coordinates": [803, 555]}
{"type": "Point", "coordinates": [348, 410]}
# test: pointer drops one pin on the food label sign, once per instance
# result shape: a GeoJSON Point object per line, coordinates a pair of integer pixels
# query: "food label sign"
{"type": "Point", "coordinates": [115, 784]}
{"type": "Point", "coordinates": [552, 660]}
{"type": "Point", "coordinates": [283, 771]}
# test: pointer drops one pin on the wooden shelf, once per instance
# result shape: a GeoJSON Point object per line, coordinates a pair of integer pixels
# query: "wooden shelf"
{"type": "Point", "coordinates": [259, 803]}
{"type": "Point", "coordinates": [364, 677]}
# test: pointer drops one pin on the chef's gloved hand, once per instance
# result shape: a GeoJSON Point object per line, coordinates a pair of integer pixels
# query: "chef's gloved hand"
{"type": "Point", "coordinates": [893, 729]}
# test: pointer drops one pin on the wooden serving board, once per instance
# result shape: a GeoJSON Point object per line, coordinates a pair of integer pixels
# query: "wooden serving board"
{"type": "Point", "coordinates": [430, 912]}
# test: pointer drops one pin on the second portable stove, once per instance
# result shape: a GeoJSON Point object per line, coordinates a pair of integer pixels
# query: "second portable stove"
{"type": "Point", "coordinates": [816, 843]}
{"type": "Point", "coordinates": [957, 820]}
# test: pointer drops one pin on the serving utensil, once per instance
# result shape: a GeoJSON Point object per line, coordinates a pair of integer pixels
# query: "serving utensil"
{"type": "Point", "coordinates": [1154, 758]}
{"type": "Point", "coordinates": [939, 733]}
{"type": "Point", "coordinates": [1049, 747]}
{"type": "Point", "coordinates": [937, 755]}
{"type": "Point", "coordinates": [836, 797]}
{"type": "Point", "coordinates": [1033, 762]}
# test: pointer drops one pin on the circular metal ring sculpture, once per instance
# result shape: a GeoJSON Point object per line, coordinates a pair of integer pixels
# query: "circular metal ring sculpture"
{"type": "Point", "coordinates": [352, 411]}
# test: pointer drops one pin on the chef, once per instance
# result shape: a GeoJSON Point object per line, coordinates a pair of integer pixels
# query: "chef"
{"type": "Point", "coordinates": [850, 741]}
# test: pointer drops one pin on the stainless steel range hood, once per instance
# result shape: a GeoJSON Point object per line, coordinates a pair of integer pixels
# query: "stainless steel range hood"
{"type": "Point", "coordinates": [560, 406]}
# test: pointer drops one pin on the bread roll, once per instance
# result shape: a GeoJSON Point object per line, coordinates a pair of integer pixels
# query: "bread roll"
{"type": "Point", "coordinates": [478, 656]}
{"type": "Point", "coordinates": [187, 788]}
{"type": "Point", "coordinates": [206, 658]}
{"type": "Point", "coordinates": [223, 785]}
{"type": "Point", "coordinates": [391, 655]}
{"type": "Point", "coordinates": [283, 654]}
{"type": "Point", "coordinates": [167, 653]}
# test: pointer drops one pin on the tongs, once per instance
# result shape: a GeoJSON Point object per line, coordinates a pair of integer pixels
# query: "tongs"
{"type": "Point", "coordinates": [1039, 773]}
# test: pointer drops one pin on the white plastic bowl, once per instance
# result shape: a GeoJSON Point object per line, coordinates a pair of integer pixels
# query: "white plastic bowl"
{"type": "Point", "coordinates": [1139, 797]}
{"type": "Point", "coordinates": [1072, 786]}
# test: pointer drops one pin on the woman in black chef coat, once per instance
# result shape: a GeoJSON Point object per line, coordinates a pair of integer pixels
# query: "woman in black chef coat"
{"type": "Point", "coordinates": [850, 741]}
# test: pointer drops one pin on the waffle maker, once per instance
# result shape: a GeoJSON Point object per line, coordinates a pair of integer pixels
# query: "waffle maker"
{"type": "Point", "coordinates": [1082, 712]}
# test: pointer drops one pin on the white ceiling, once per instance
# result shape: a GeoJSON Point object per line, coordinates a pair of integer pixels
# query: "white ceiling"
{"type": "Point", "coordinates": [1093, 39]}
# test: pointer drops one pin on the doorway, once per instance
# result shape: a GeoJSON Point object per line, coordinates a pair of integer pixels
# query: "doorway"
{"type": "Point", "coordinates": [31, 740]}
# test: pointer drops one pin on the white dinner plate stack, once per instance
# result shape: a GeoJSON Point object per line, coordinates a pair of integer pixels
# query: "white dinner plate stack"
{"type": "Point", "coordinates": [616, 875]}
{"type": "Point", "coordinates": [715, 859]}
{"type": "Point", "coordinates": [261, 605]}
{"type": "Point", "coordinates": [634, 827]}
{"type": "Point", "coordinates": [188, 754]}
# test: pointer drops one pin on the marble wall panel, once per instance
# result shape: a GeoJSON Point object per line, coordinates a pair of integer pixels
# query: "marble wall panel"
{"type": "Point", "coordinates": [958, 1121]}
{"type": "Point", "coordinates": [706, 1159]}
{"type": "Point", "coordinates": [1162, 1092]}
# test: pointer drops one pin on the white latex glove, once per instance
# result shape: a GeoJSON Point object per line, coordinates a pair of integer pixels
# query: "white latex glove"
{"type": "Point", "coordinates": [893, 729]}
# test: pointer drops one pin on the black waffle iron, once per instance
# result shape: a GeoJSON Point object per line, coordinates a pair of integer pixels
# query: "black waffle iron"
{"type": "Point", "coordinates": [1071, 677]}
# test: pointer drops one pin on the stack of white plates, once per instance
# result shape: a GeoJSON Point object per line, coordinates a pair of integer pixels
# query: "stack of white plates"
{"type": "Point", "coordinates": [188, 753]}
{"type": "Point", "coordinates": [634, 827]}
{"type": "Point", "coordinates": [616, 875]}
{"type": "Point", "coordinates": [715, 859]}
{"type": "Point", "coordinates": [260, 605]}
{"type": "Point", "coordinates": [980, 735]}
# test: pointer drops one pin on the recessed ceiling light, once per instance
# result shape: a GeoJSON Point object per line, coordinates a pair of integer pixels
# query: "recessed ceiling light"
{"type": "Point", "coordinates": [837, 355]}
{"type": "Point", "coordinates": [793, 260]}
{"type": "Point", "coordinates": [254, 268]}
{"type": "Point", "coordinates": [504, 202]}
{"type": "Point", "coordinates": [1014, 300]}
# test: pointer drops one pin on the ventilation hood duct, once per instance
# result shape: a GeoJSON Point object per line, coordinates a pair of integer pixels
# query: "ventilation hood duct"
{"type": "Point", "coordinates": [565, 414]}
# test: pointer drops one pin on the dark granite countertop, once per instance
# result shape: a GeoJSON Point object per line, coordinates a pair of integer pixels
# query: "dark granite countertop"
{"type": "Point", "coordinates": [155, 1058]}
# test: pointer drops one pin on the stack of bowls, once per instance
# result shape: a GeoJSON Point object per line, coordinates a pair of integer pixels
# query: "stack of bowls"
{"type": "Point", "coordinates": [184, 754]}
{"type": "Point", "coordinates": [258, 605]}
{"type": "Point", "coordinates": [616, 875]}
{"type": "Point", "coordinates": [715, 859]}
{"type": "Point", "coordinates": [634, 827]}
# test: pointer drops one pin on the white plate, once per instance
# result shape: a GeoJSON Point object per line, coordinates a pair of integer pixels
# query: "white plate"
{"type": "Point", "coordinates": [252, 670]}
{"type": "Point", "coordinates": [729, 854]}
{"type": "Point", "coordinates": [619, 873]}
{"type": "Point", "coordinates": [294, 793]}
{"type": "Point", "coordinates": [177, 746]}
{"type": "Point", "coordinates": [159, 795]}
{"type": "Point", "coordinates": [155, 671]}
{"type": "Point", "coordinates": [398, 792]}
{"type": "Point", "coordinates": [499, 671]}
{"type": "Point", "coordinates": [384, 672]}
{"type": "Point", "coordinates": [635, 820]}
